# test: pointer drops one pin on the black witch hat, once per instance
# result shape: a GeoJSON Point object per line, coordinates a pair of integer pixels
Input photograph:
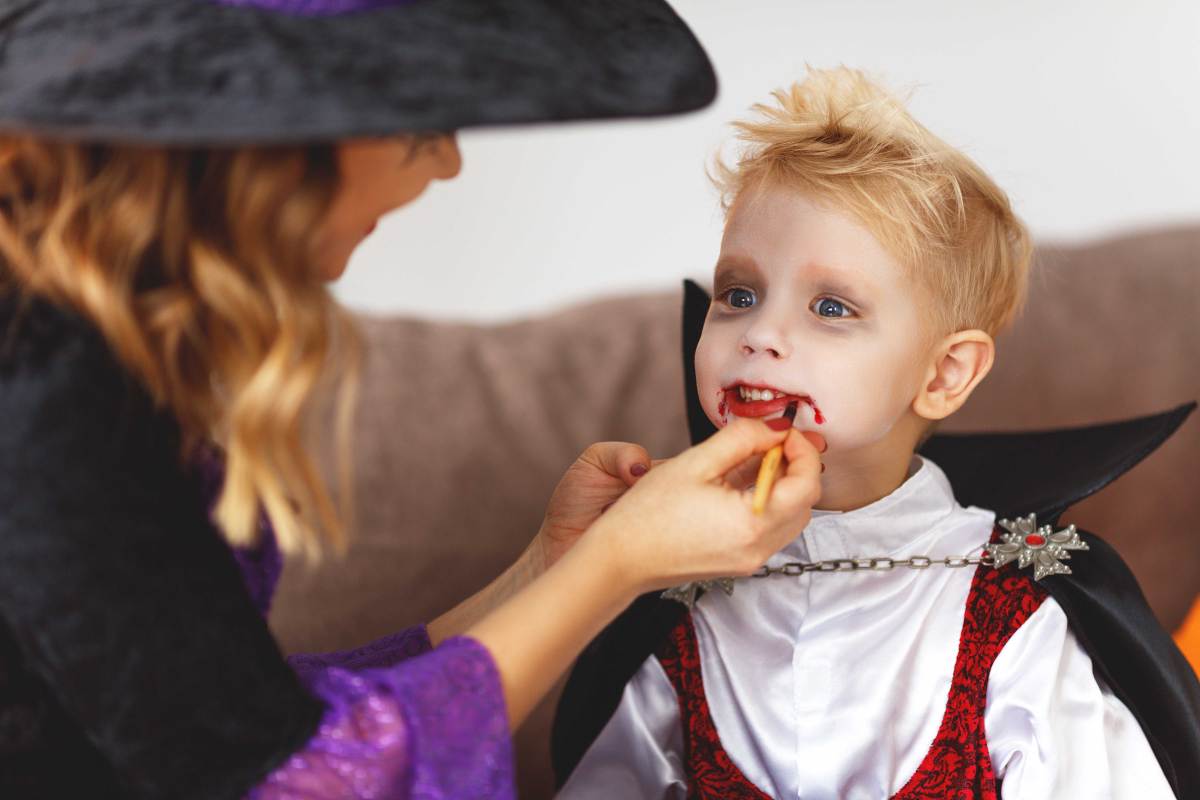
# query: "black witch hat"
{"type": "Point", "coordinates": [266, 71]}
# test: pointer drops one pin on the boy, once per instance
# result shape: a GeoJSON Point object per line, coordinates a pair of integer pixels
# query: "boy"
{"type": "Point", "coordinates": [864, 270]}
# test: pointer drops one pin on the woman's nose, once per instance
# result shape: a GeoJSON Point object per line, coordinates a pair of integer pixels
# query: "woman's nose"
{"type": "Point", "coordinates": [449, 157]}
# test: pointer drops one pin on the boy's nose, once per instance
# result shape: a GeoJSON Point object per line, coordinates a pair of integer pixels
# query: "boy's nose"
{"type": "Point", "coordinates": [771, 351]}
{"type": "Point", "coordinates": [771, 343]}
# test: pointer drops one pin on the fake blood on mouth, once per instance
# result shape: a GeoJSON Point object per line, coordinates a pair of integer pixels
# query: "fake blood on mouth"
{"type": "Point", "coordinates": [722, 407]}
{"type": "Point", "coordinates": [731, 400]}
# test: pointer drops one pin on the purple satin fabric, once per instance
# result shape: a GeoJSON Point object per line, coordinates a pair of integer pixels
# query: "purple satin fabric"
{"type": "Point", "coordinates": [431, 727]}
{"type": "Point", "coordinates": [402, 719]}
{"type": "Point", "coordinates": [315, 8]}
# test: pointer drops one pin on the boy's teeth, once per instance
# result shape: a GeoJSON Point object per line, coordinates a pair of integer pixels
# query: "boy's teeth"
{"type": "Point", "coordinates": [758, 394]}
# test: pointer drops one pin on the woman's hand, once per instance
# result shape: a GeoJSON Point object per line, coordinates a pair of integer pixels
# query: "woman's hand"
{"type": "Point", "coordinates": [690, 518]}
{"type": "Point", "coordinates": [686, 519]}
{"type": "Point", "coordinates": [590, 485]}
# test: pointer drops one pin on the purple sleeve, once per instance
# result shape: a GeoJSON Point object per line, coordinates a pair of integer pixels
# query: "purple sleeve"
{"type": "Point", "coordinates": [433, 726]}
{"type": "Point", "coordinates": [383, 652]}
{"type": "Point", "coordinates": [402, 719]}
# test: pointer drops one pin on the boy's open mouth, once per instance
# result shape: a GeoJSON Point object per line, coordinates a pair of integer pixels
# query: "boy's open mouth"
{"type": "Point", "coordinates": [745, 400]}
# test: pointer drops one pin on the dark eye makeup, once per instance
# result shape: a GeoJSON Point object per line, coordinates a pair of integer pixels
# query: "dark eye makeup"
{"type": "Point", "coordinates": [824, 306]}
{"type": "Point", "coordinates": [830, 308]}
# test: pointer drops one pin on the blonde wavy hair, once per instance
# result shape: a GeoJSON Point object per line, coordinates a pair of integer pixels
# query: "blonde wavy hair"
{"type": "Point", "coordinates": [844, 138]}
{"type": "Point", "coordinates": [197, 266]}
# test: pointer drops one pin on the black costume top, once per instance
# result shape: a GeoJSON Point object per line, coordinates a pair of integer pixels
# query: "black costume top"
{"type": "Point", "coordinates": [119, 589]}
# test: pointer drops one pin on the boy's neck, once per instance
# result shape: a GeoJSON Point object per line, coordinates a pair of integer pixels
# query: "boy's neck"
{"type": "Point", "coordinates": [853, 479]}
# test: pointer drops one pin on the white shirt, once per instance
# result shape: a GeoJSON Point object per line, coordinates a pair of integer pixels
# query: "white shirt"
{"type": "Point", "coordinates": [834, 685]}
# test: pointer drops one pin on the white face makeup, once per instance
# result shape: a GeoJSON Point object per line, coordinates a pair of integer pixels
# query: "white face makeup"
{"type": "Point", "coordinates": [807, 303]}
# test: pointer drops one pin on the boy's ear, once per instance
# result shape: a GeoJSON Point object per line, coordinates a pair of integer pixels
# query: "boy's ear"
{"type": "Point", "coordinates": [960, 362]}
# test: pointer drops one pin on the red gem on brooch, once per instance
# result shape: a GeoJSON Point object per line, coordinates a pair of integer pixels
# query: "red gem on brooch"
{"type": "Point", "coordinates": [1033, 540]}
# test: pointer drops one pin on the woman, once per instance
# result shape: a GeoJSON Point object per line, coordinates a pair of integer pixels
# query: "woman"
{"type": "Point", "coordinates": [178, 183]}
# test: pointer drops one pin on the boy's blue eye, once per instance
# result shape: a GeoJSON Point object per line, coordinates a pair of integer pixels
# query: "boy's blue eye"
{"type": "Point", "coordinates": [740, 298]}
{"type": "Point", "coordinates": [828, 307]}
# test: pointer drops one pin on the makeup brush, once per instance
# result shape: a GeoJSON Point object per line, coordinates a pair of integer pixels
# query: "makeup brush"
{"type": "Point", "coordinates": [769, 468]}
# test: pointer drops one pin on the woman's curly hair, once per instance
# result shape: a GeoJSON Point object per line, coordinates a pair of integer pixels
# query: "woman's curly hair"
{"type": "Point", "coordinates": [197, 266]}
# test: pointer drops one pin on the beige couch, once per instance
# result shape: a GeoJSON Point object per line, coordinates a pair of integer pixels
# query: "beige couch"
{"type": "Point", "coordinates": [464, 430]}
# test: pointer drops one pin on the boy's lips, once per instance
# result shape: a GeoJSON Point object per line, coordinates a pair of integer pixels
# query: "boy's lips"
{"type": "Point", "coordinates": [759, 408]}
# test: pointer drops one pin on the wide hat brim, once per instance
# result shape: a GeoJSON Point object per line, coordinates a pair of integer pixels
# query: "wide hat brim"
{"type": "Point", "coordinates": [202, 72]}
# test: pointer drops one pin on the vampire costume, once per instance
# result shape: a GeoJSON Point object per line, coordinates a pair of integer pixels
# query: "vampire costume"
{"type": "Point", "coordinates": [914, 639]}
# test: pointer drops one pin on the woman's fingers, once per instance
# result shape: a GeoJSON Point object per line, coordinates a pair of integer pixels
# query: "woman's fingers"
{"type": "Point", "coordinates": [804, 446]}
{"type": "Point", "coordinates": [745, 474]}
{"type": "Point", "coordinates": [816, 440]}
{"type": "Point", "coordinates": [683, 522]}
{"type": "Point", "coordinates": [619, 459]}
{"type": "Point", "coordinates": [729, 447]}
{"type": "Point", "coordinates": [798, 487]}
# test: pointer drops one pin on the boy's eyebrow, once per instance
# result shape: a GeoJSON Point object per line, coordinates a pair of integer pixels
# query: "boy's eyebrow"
{"type": "Point", "coordinates": [829, 279]}
{"type": "Point", "coordinates": [731, 267]}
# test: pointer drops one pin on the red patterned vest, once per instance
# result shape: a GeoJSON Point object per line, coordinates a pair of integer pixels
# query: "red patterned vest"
{"type": "Point", "coordinates": [957, 766]}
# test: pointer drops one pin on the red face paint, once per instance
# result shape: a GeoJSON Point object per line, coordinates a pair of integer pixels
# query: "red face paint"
{"type": "Point", "coordinates": [760, 408]}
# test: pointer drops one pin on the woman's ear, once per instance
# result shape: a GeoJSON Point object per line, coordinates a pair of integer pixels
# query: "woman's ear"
{"type": "Point", "coordinates": [960, 362]}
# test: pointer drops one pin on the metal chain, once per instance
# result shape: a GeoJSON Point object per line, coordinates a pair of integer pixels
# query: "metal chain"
{"type": "Point", "coordinates": [876, 564]}
{"type": "Point", "coordinates": [687, 593]}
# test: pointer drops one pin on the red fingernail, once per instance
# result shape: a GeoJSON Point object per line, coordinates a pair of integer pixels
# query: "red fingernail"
{"type": "Point", "coordinates": [638, 470]}
{"type": "Point", "coordinates": [779, 424]}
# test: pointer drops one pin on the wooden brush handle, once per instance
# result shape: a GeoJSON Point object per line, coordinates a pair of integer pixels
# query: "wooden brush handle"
{"type": "Point", "coordinates": [766, 477]}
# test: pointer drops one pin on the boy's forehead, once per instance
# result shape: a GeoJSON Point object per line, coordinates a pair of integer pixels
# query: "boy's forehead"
{"type": "Point", "coordinates": [773, 228]}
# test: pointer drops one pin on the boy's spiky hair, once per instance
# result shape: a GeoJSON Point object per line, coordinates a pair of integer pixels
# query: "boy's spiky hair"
{"type": "Point", "coordinates": [841, 137]}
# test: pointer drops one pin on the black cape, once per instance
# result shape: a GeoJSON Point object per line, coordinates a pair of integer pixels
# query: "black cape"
{"type": "Point", "coordinates": [1014, 474]}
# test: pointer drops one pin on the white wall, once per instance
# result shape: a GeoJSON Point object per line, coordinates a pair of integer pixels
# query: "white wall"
{"type": "Point", "coordinates": [1087, 112]}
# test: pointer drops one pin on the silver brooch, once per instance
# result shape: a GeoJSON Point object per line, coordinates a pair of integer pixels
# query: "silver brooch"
{"type": "Point", "coordinates": [686, 593]}
{"type": "Point", "coordinates": [1043, 547]}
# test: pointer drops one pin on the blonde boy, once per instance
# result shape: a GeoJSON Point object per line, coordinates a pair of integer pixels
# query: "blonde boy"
{"type": "Point", "coordinates": [864, 270]}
